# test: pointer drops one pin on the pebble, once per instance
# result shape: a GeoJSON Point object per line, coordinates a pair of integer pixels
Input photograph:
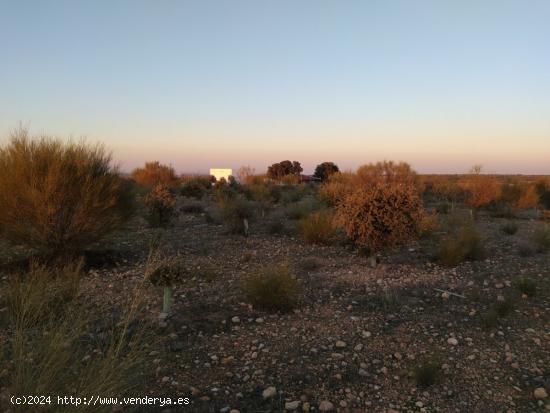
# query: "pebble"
{"type": "Point", "coordinates": [236, 320]}
{"type": "Point", "coordinates": [269, 393]}
{"type": "Point", "coordinates": [340, 344]}
{"type": "Point", "coordinates": [540, 393]}
{"type": "Point", "coordinates": [452, 341]}
{"type": "Point", "coordinates": [292, 405]}
{"type": "Point", "coordinates": [326, 406]}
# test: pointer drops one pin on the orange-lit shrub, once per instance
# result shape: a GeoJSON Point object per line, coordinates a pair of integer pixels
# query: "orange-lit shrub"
{"type": "Point", "coordinates": [154, 173]}
{"type": "Point", "coordinates": [385, 209]}
{"type": "Point", "coordinates": [529, 198]}
{"type": "Point", "coordinates": [59, 197]}
{"type": "Point", "coordinates": [481, 190]}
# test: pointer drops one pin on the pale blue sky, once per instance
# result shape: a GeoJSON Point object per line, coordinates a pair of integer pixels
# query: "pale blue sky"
{"type": "Point", "coordinates": [441, 84]}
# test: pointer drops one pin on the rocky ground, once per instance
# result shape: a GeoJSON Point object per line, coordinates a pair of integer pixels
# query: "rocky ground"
{"type": "Point", "coordinates": [359, 333]}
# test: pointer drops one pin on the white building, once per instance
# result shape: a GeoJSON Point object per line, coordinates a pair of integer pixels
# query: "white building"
{"type": "Point", "coordinates": [219, 173]}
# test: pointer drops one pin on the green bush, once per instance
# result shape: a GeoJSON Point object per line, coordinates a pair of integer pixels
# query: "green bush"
{"type": "Point", "coordinates": [510, 228]}
{"type": "Point", "coordinates": [541, 238]}
{"type": "Point", "coordinates": [59, 197]}
{"type": "Point", "coordinates": [467, 244]}
{"type": "Point", "coordinates": [272, 288]}
{"type": "Point", "coordinates": [318, 228]}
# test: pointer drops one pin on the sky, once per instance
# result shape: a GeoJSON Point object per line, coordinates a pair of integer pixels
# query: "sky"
{"type": "Point", "coordinates": [440, 84]}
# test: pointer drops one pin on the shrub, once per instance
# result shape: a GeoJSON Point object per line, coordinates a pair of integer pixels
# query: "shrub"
{"type": "Point", "coordinates": [301, 209]}
{"type": "Point", "coordinates": [245, 174]}
{"type": "Point", "coordinates": [510, 228]}
{"type": "Point", "coordinates": [429, 223]}
{"type": "Point", "coordinates": [384, 210]}
{"type": "Point", "coordinates": [196, 187]}
{"type": "Point", "coordinates": [237, 213]}
{"type": "Point", "coordinates": [154, 173]}
{"type": "Point", "coordinates": [543, 191]}
{"type": "Point", "coordinates": [59, 198]}
{"type": "Point", "coordinates": [498, 310]}
{"type": "Point", "coordinates": [324, 170]}
{"type": "Point", "coordinates": [160, 203]}
{"type": "Point", "coordinates": [336, 187]}
{"type": "Point", "coordinates": [272, 288]}
{"type": "Point", "coordinates": [263, 194]}
{"type": "Point", "coordinates": [318, 228]}
{"type": "Point", "coordinates": [467, 244]}
{"type": "Point", "coordinates": [427, 373]}
{"type": "Point", "coordinates": [526, 286]}
{"type": "Point", "coordinates": [481, 190]}
{"type": "Point", "coordinates": [541, 238]}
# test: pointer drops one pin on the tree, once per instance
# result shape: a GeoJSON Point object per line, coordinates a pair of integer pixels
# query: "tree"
{"type": "Point", "coordinates": [325, 169]}
{"type": "Point", "coordinates": [278, 170]}
{"type": "Point", "coordinates": [154, 173]}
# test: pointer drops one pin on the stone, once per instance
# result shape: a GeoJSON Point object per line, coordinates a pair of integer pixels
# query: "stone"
{"type": "Point", "coordinates": [340, 344]}
{"type": "Point", "coordinates": [236, 320]}
{"type": "Point", "coordinates": [452, 341]}
{"type": "Point", "coordinates": [269, 392]}
{"type": "Point", "coordinates": [326, 406]}
{"type": "Point", "coordinates": [540, 393]}
{"type": "Point", "coordinates": [292, 405]}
